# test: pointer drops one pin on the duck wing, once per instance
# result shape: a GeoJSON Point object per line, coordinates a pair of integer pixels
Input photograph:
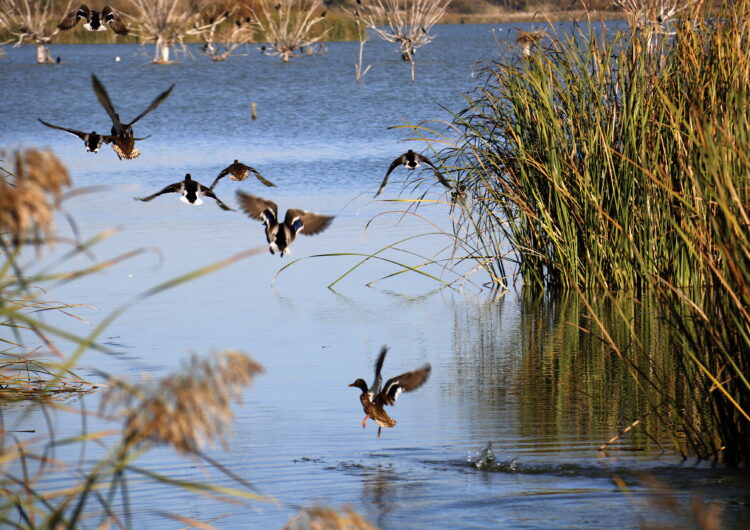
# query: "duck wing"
{"type": "Point", "coordinates": [79, 134]}
{"type": "Point", "coordinates": [103, 97]}
{"type": "Point", "coordinates": [155, 103]}
{"type": "Point", "coordinates": [405, 382]}
{"type": "Point", "coordinates": [394, 165]}
{"type": "Point", "coordinates": [224, 173]}
{"type": "Point", "coordinates": [308, 223]}
{"type": "Point", "coordinates": [258, 176]}
{"type": "Point", "coordinates": [112, 18]}
{"type": "Point", "coordinates": [209, 193]}
{"type": "Point", "coordinates": [258, 208]}
{"type": "Point", "coordinates": [172, 188]}
{"type": "Point", "coordinates": [72, 18]}
{"type": "Point", "coordinates": [439, 176]}
{"type": "Point", "coordinates": [375, 387]}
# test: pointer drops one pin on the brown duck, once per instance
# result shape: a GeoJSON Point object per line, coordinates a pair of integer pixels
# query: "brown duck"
{"type": "Point", "coordinates": [239, 171]}
{"type": "Point", "coordinates": [373, 399]}
{"type": "Point", "coordinates": [123, 139]}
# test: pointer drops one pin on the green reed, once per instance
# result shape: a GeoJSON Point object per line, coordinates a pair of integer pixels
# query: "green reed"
{"type": "Point", "coordinates": [606, 163]}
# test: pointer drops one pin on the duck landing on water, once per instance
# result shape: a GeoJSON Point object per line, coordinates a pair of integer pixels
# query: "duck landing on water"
{"type": "Point", "coordinates": [281, 234]}
{"type": "Point", "coordinates": [374, 399]}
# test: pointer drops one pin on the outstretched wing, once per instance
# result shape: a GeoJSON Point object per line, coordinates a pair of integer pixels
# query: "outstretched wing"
{"type": "Point", "coordinates": [258, 208]}
{"type": "Point", "coordinates": [393, 166]}
{"type": "Point", "coordinates": [155, 103]}
{"type": "Point", "coordinates": [258, 176]}
{"type": "Point", "coordinates": [224, 173]}
{"type": "Point", "coordinates": [439, 176]}
{"type": "Point", "coordinates": [79, 134]}
{"type": "Point", "coordinates": [375, 387]}
{"type": "Point", "coordinates": [172, 188]}
{"type": "Point", "coordinates": [72, 18]}
{"type": "Point", "coordinates": [103, 97]}
{"type": "Point", "coordinates": [307, 223]}
{"type": "Point", "coordinates": [402, 383]}
{"type": "Point", "coordinates": [114, 21]}
{"type": "Point", "coordinates": [208, 193]}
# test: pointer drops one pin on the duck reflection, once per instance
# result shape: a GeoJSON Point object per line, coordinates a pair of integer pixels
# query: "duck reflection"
{"type": "Point", "coordinates": [380, 491]}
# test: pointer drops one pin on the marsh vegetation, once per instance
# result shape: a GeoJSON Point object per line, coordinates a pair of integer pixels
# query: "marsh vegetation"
{"type": "Point", "coordinates": [599, 192]}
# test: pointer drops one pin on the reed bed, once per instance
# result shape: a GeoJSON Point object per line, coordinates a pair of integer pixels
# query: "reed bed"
{"type": "Point", "coordinates": [184, 411]}
{"type": "Point", "coordinates": [604, 163]}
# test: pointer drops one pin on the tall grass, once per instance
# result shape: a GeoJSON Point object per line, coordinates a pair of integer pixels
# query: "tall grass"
{"type": "Point", "coordinates": [620, 162]}
{"type": "Point", "coordinates": [183, 411]}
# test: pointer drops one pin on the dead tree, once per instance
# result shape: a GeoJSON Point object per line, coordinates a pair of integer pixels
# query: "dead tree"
{"type": "Point", "coordinates": [288, 25]}
{"type": "Point", "coordinates": [223, 32]}
{"type": "Point", "coordinates": [404, 22]}
{"type": "Point", "coordinates": [166, 23]}
{"type": "Point", "coordinates": [654, 18]}
{"type": "Point", "coordinates": [31, 20]}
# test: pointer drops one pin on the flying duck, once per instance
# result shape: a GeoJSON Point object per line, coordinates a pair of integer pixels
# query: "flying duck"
{"type": "Point", "coordinates": [239, 171]}
{"type": "Point", "coordinates": [411, 160]}
{"type": "Point", "coordinates": [92, 140]}
{"type": "Point", "coordinates": [191, 191]}
{"type": "Point", "coordinates": [280, 235]}
{"type": "Point", "coordinates": [95, 20]}
{"type": "Point", "coordinates": [373, 399]}
{"type": "Point", "coordinates": [123, 141]}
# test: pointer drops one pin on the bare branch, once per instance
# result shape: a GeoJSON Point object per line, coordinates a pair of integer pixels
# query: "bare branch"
{"type": "Point", "coordinates": [223, 31]}
{"type": "Point", "coordinates": [403, 22]}
{"type": "Point", "coordinates": [32, 20]}
{"type": "Point", "coordinates": [288, 25]}
{"type": "Point", "coordinates": [166, 23]}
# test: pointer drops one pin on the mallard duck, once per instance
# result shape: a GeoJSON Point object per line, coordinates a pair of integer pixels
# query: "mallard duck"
{"type": "Point", "coordinates": [373, 399]}
{"type": "Point", "coordinates": [93, 140]}
{"type": "Point", "coordinates": [95, 20]}
{"type": "Point", "coordinates": [280, 235]}
{"type": "Point", "coordinates": [191, 191]}
{"type": "Point", "coordinates": [411, 160]}
{"type": "Point", "coordinates": [239, 171]}
{"type": "Point", "coordinates": [123, 141]}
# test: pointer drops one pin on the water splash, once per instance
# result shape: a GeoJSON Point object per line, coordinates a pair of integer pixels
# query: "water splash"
{"type": "Point", "coordinates": [484, 458]}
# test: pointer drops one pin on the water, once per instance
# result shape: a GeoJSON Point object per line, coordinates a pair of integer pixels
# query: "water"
{"type": "Point", "coordinates": [508, 372]}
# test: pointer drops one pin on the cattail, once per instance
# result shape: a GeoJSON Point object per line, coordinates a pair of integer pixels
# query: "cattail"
{"type": "Point", "coordinates": [526, 39]}
{"type": "Point", "coordinates": [321, 518]}
{"type": "Point", "coordinates": [185, 410]}
{"type": "Point", "coordinates": [25, 206]}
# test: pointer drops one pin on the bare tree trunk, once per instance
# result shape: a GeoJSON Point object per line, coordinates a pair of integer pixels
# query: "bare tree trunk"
{"type": "Point", "coordinates": [413, 65]}
{"type": "Point", "coordinates": [162, 51]}
{"type": "Point", "coordinates": [43, 55]}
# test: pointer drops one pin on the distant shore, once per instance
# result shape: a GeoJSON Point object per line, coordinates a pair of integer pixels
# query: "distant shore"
{"type": "Point", "coordinates": [342, 28]}
{"type": "Point", "coordinates": [539, 17]}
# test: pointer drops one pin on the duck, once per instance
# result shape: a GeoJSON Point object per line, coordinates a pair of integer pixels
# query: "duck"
{"type": "Point", "coordinates": [280, 235]}
{"type": "Point", "coordinates": [411, 160]}
{"type": "Point", "coordinates": [95, 20]}
{"type": "Point", "coordinates": [375, 398]}
{"type": "Point", "coordinates": [239, 171]}
{"type": "Point", "coordinates": [123, 140]}
{"type": "Point", "coordinates": [191, 191]}
{"type": "Point", "coordinates": [92, 139]}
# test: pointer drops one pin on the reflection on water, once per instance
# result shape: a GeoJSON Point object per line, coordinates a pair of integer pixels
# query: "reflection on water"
{"type": "Point", "coordinates": [532, 377]}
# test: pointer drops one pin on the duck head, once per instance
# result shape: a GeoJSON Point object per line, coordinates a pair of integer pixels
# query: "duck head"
{"type": "Point", "coordinates": [360, 383]}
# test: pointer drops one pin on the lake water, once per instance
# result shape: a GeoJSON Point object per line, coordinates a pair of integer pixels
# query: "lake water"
{"type": "Point", "coordinates": [505, 370]}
